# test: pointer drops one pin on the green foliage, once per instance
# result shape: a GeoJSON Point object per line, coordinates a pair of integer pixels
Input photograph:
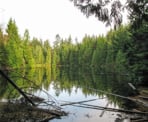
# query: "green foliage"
{"type": "Point", "coordinates": [14, 48]}
{"type": "Point", "coordinates": [47, 53]}
{"type": "Point", "coordinates": [110, 60]}
{"type": "Point", "coordinates": [122, 51]}
{"type": "Point", "coordinates": [120, 62]}
{"type": "Point", "coordinates": [138, 55]}
{"type": "Point", "coordinates": [17, 52]}
{"type": "Point", "coordinates": [27, 50]}
{"type": "Point", "coordinates": [99, 54]}
{"type": "Point", "coordinates": [86, 52]}
{"type": "Point", "coordinates": [3, 57]}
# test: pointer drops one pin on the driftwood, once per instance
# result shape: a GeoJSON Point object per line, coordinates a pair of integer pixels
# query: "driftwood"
{"type": "Point", "coordinates": [143, 97]}
{"type": "Point", "coordinates": [133, 99]}
{"type": "Point", "coordinates": [141, 102]}
{"type": "Point", "coordinates": [71, 103]}
{"type": "Point", "coordinates": [52, 99]}
{"type": "Point", "coordinates": [81, 104]}
{"type": "Point", "coordinates": [110, 109]}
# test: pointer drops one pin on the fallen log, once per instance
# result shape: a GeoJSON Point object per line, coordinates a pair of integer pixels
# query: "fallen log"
{"type": "Point", "coordinates": [79, 102]}
{"type": "Point", "coordinates": [16, 87]}
{"type": "Point", "coordinates": [143, 97]}
{"type": "Point", "coordinates": [111, 109]}
{"type": "Point", "coordinates": [142, 102]}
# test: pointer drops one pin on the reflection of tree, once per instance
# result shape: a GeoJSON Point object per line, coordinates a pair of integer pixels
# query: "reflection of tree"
{"type": "Point", "coordinates": [66, 79]}
{"type": "Point", "coordinates": [3, 85]}
{"type": "Point", "coordinates": [118, 85]}
{"type": "Point", "coordinates": [29, 80]}
{"type": "Point", "coordinates": [91, 83]}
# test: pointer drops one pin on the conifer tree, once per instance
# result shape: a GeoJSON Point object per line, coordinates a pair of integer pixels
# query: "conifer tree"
{"type": "Point", "coordinates": [14, 45]}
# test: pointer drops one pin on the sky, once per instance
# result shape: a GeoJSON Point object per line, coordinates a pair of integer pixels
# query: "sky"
{"type": "Point", "coordinates": [46, 18]}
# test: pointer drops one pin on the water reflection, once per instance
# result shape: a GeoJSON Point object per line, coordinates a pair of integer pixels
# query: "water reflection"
{"type": "Point", "coordinates": [91, 83]}
{"type": "Point", "coordinates": [69, 85]}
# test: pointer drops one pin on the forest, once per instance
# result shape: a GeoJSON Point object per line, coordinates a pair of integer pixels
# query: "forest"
{"type": "Point", "coordinates": [122, 51]}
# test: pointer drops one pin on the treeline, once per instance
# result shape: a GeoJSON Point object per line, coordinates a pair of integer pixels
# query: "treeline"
{"type": "Point", "coordinates": [20, 52]}
{"type": "Point", "coordinates": [122, 51]}
{"type": "Point", "coordinates": [98, 54]}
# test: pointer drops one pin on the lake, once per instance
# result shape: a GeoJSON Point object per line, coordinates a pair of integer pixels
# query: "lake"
{"type": "Point", "coordinates": [76, 85]}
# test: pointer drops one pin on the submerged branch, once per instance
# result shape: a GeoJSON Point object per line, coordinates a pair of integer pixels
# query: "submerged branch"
{"type": "Point", "coordinates": [83, 105]}
{"type": "Point", "coordinates": [72, 103]}
{"type": "Point", "coordinates": [109, 109]}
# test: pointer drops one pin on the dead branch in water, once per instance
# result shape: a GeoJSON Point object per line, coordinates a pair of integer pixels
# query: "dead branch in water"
{"type": "Point", "coordinates": [71, 103]}
{"type": "Point", "coordinates": [104, 110]}
{"type": "Point", "coordinates": [110, 109]}
{"type": "Point", "coordinates": [83, 105]}
{"type": "Point", "coordinates": [16, 87]}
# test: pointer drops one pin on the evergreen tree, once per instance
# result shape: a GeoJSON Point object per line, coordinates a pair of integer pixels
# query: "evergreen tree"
{"type": "Point", "coordinates": [99, 54]}
{"type": "Point", "coordinates": [3, 52]}
{"type": "Point", "coordinates": [138, 54]}
{"type": "Point", "coordinates": [37, 50]}
{"type": "Point", "coordinates": [14, 48]}
{"type": "Point", "coordinates": [47, 53]}
{"type": "Point", "coordinates": [27, 50]}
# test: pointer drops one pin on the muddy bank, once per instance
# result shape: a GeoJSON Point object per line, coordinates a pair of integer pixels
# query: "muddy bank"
{"type": "Point", "coordinates": [12, 112]}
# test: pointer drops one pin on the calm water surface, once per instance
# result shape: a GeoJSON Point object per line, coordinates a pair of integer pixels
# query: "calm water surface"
{"type": "Point", "coordinates": [67, 87]}
{"type": "Point", "coordinates": [78, 114]}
